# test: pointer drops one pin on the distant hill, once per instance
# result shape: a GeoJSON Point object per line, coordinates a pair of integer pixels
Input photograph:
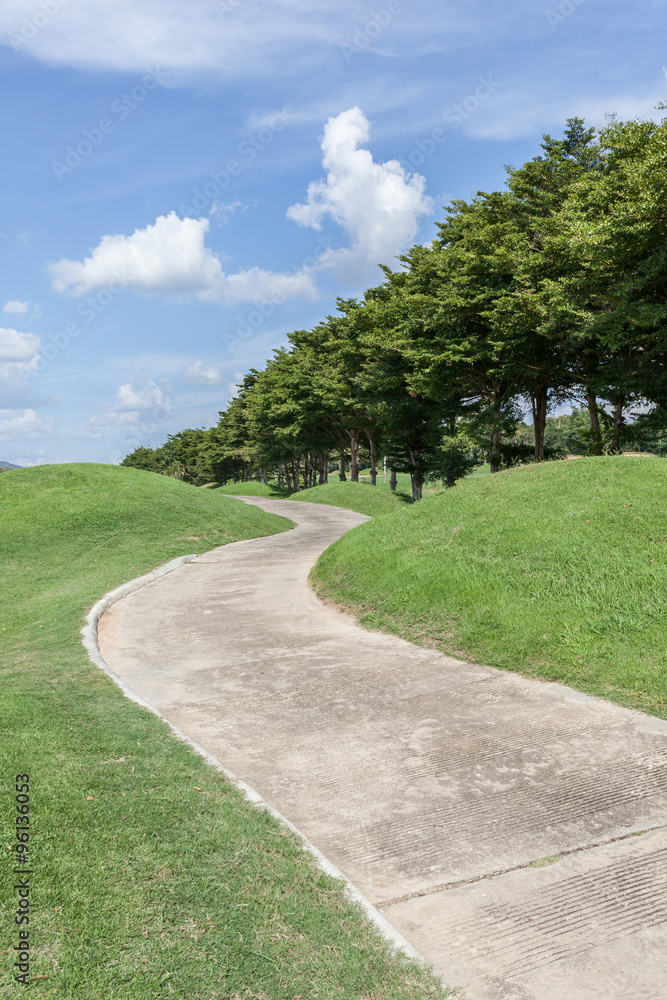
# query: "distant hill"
{"type": "Point", "coordinates": [8, 465]}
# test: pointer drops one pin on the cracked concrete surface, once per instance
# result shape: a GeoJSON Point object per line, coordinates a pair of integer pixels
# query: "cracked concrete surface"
{"type": "Point", "coordinates": [498, 823]}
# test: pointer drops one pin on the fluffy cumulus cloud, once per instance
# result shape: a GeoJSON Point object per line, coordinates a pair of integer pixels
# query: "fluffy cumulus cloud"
{"type": "Point", "coordinates": [23, 424]}
{"type": "Point", "coordinates": [379, 205]}
{"type": "Point", "coordinates": [170, 258]}
{"type": "Point", "coordinates": [19, 357]}
{"type": "Point", "coordinates": [18, 349]}
{"type": "Point", "coordinates": [146, 405]}
{"type": "Point", "coordinates": [16, 308]}
{"type": "Point", "coordinates": [147, 396]}
{"type": "Point", "coordinates": [199, 375]}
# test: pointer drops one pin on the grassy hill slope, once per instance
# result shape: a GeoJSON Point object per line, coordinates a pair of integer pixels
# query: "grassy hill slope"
{"type": "Point", "coordinates": [154, 877]}
{"type": "Point", "coordinates": [556, 570]}
{"type": "Point", "coordinates": [362, 497]}
{"type": "Point", "coordinates": [251, 489]}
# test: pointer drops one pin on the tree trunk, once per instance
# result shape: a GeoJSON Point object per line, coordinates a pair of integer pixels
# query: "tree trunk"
{"type": "Point", "coordinates": [596, 435]}
{"type": "Point", "coordinates": [496, 450]}
{"type": "Point", "coordinates": [341, 471]}
{"type": "Point", "coordinates": [416, 475]}
{"type": "Point", "coordinates": [619, 421]}
{"type": "Point", "coordinates": [354, 456]}
{"type": "Point", "coordinates": [392, 479]}
{"type": "Point", "coordinates": [280, 476]}
{"type": "Point", "coordinates": [374, 471]}
{"type": "Point", "coordinates": [539, 399]}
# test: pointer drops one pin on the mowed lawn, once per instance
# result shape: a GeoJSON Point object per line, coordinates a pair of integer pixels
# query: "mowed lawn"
{"type": "Point", "coordinates": [362, 497]}
{"type": "Point", "coordinates": [556, 570]}
{"type": "Point", "coordinates": [251, 489]}
{"type": "Point", "coordinates": [153, 876]}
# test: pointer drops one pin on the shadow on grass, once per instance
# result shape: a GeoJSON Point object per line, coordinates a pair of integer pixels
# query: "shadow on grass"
{"type": "Point", "coordinates": [252, 489]}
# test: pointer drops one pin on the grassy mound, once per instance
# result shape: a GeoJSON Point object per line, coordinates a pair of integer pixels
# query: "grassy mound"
{"type": "Point", "coordinates": [154, 877]}
{"type": "Point", "coordinates": [403, 482]}
{"type": "Point", "coordinates": [362, 497]}
{"type": "Point", "coordinates": [252, 489]}
{"type": "Point", "coordinates": [556, 570]}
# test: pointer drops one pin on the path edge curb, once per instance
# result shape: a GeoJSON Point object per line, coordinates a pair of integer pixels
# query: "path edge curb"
{"type": "Point", "coordinates": [89, 640]}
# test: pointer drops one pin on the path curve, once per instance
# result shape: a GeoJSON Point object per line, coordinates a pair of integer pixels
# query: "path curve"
{"type": "Point", "coordinates": [443, 790]}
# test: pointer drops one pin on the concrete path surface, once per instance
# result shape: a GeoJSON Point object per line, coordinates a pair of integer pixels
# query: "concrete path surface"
{"type": "Point", "coordinates": [514, 831]}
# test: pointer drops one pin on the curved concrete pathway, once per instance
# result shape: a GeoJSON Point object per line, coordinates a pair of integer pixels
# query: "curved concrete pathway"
{"type": "Point", "coordinates": [513, 831]}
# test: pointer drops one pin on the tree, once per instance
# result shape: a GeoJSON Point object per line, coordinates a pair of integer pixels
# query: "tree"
{"type": "Point", "coordinates": [337, 353]}
{"type": "Point", "coordinates": [143, 458]}
{"type": "Point", "coordinates": [608, 305]}
{"type": "Point", "coordinates": [415, 418]}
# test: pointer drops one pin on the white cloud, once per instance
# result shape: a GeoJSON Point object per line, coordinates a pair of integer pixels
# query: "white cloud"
{"type": "Point", "coordinates": [378, 204]}
{"type": "Point", "coordinates": [19, 356]}
{"type": "Point", "coordinates": [170, 258]}
{"type": "Point", "coordinates": [257, 285]}
{"type": "Point", "coordinates": [223, 211]}
{"type": "Point", "coordinates": [142, 406]}
{"type": "Point", "coordinates": [18, 349]}
{"type": "Point", "coordinates": [22, 424]}
{"type": "Point", "coordinates": [15, 307]}
{"type": "Point", "coordinates": [509, 115]}
{"type": "Point", "coordinates": [147, 396]}
{"type": "Point", "coordinates": [115, 419]}
{"type": "Point", "coordinates": [237, 38]}
{"type": "Point", "coordinates": [199, 375]}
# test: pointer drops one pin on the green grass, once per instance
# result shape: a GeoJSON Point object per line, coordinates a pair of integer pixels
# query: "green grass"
{"type": "Point", "coordinates": [403, 482]}
{"type": "Point", "coordinates": [556, 570]}
{"type": "Point", "coordinates": [153, 876]}
{"type": "Point", "coordinates": [251, 489]}
{"type": "Point", "coordinates": [479, 470]}
{"type": "Point", "coordinates": [362, 497]}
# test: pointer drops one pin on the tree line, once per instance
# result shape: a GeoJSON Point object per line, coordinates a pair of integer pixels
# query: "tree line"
{"type": "Point", "coordinates": [551, 291]}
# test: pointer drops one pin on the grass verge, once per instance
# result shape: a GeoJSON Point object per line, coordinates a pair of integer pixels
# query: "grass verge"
{"type": "Point", "coordinates": [153, 877]}
{"type": "Point", "coordinates": [557, 570]}
{"type": "Point", "coordinates": [362, 497]}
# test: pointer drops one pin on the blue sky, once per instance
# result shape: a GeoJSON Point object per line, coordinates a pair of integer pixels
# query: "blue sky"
{"type": "Point", "coordinates": [186, 181]}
